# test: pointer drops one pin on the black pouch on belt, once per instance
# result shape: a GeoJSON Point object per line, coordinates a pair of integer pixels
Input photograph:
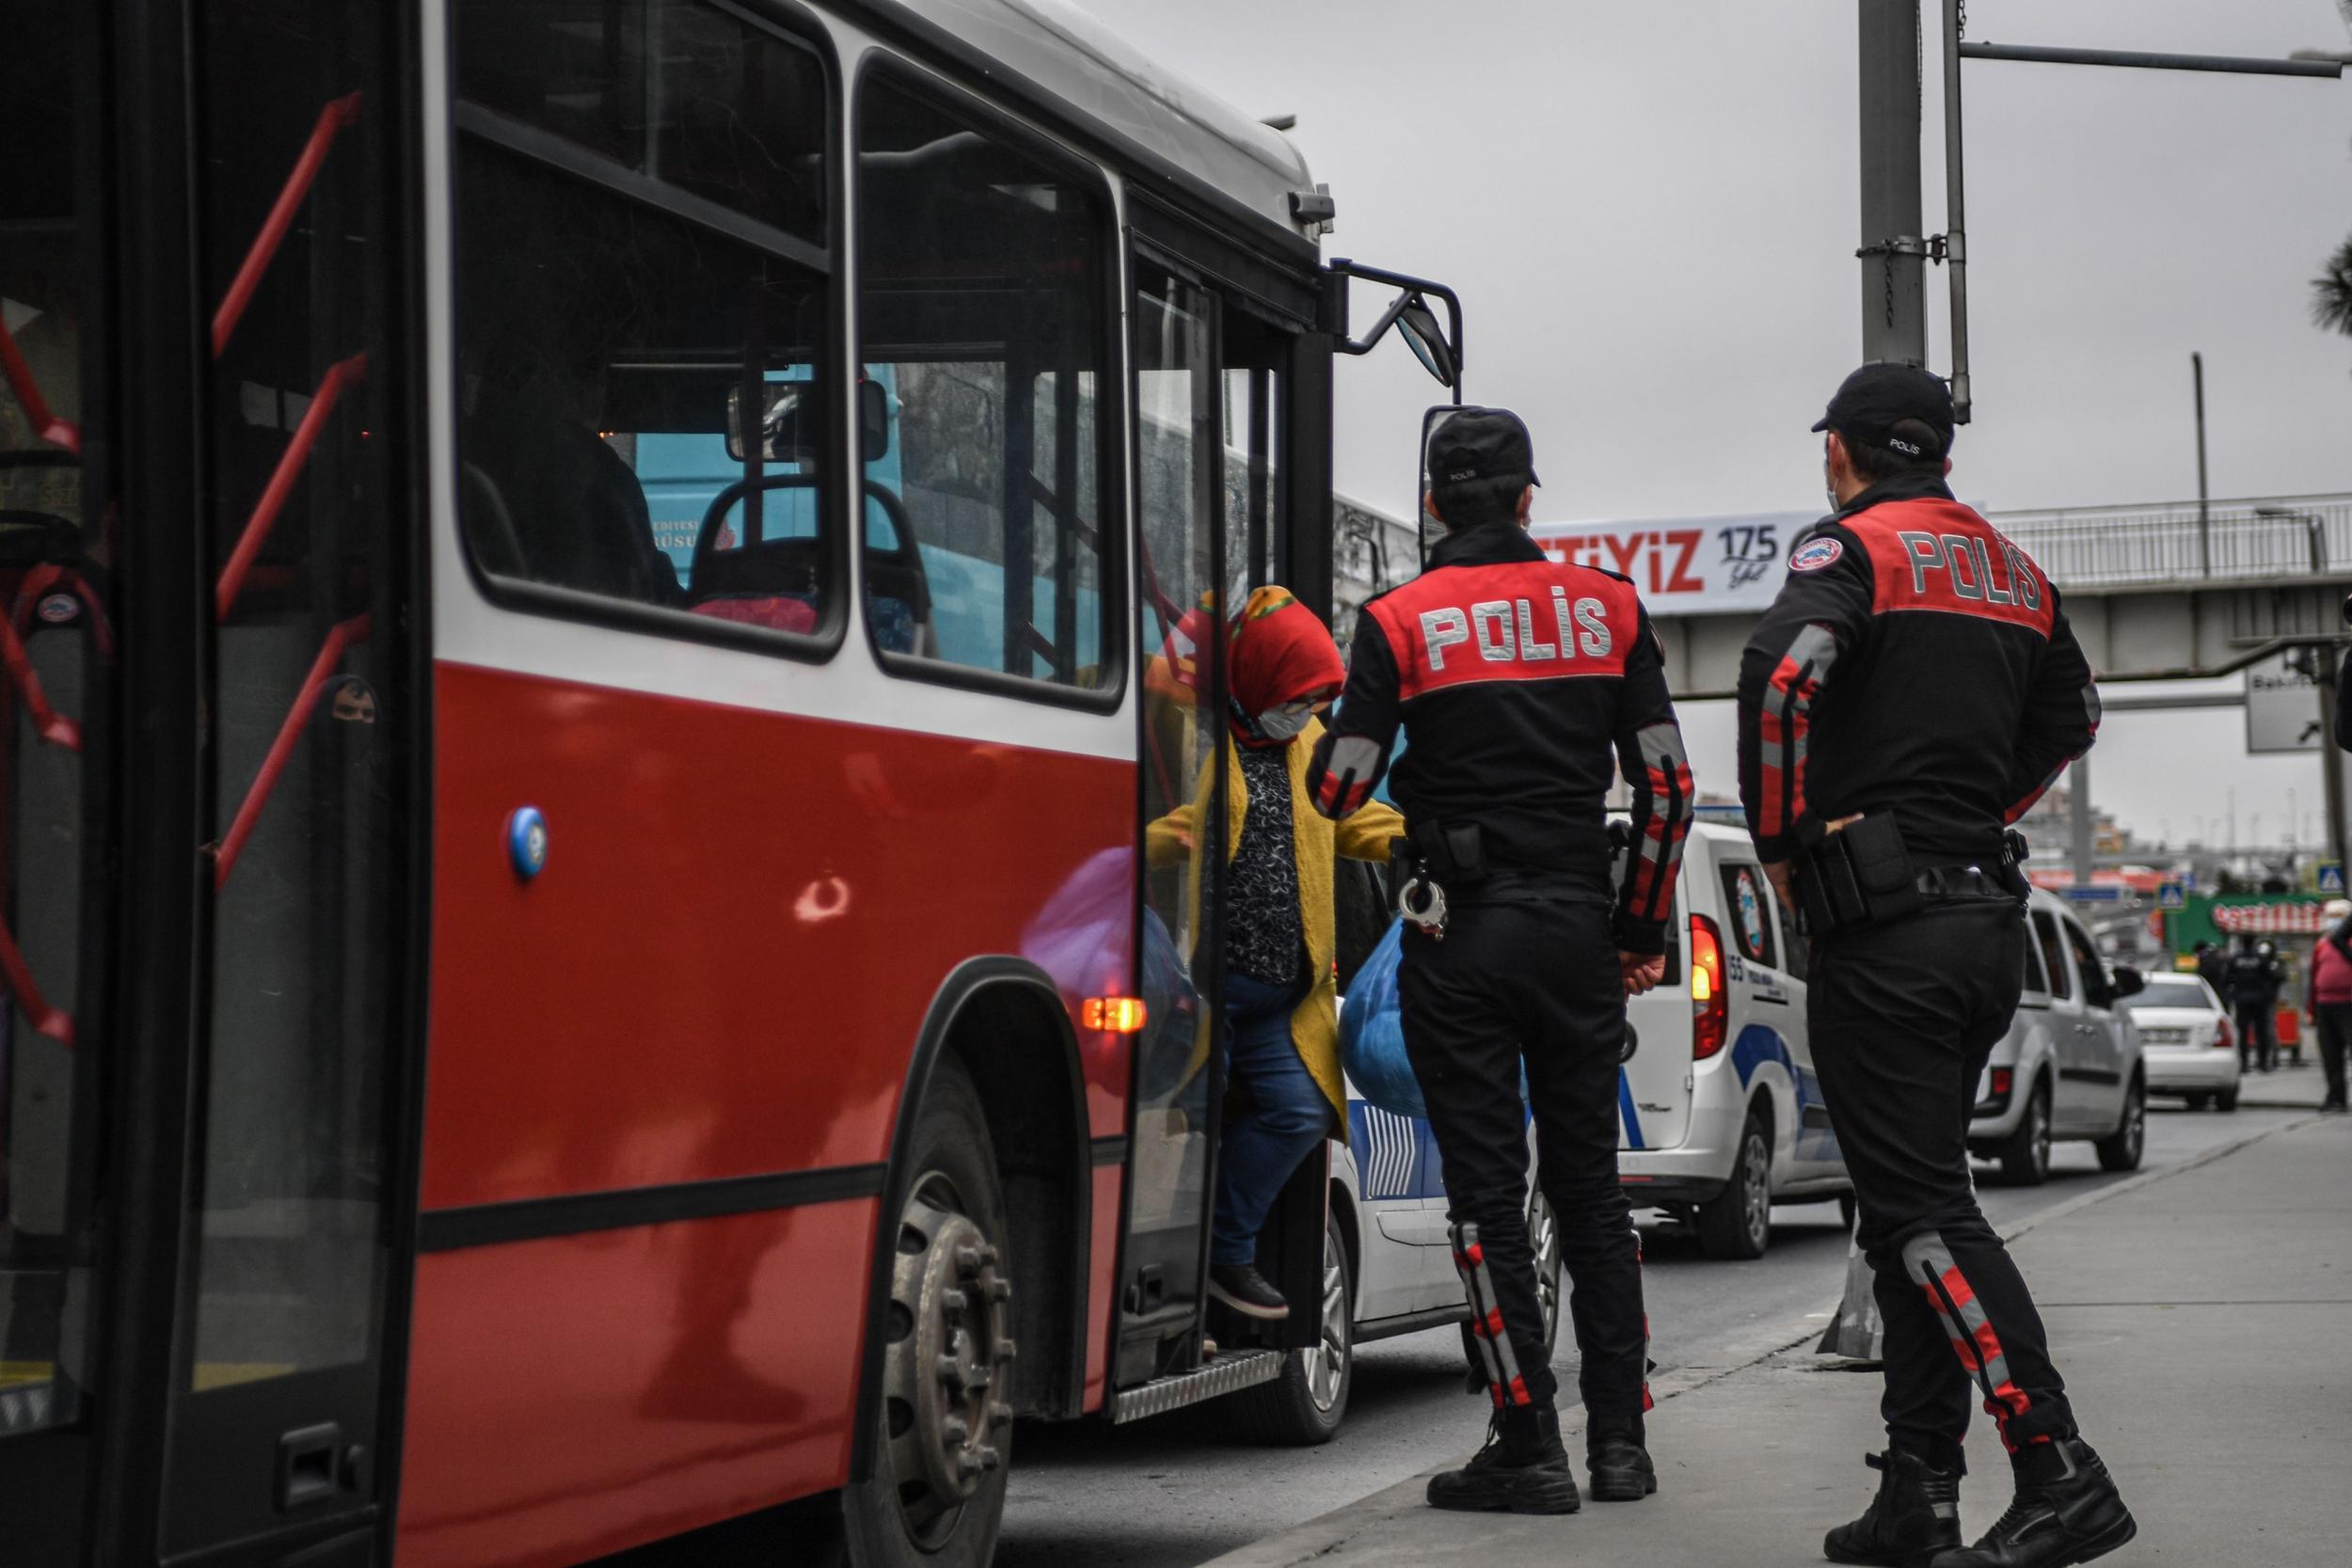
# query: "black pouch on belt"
{"type": "Point", "coordinates": [1881, 867]}
{"type": "Point", "coordinates": [1452, 854]}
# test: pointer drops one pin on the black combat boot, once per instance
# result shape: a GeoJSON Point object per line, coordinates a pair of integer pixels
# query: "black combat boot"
{"type": "Point", "coordinates": [1915, 1516]}
{"type": "Point", "coordinates": [1620, 1465]}
{"type": "Point", "coordinates": [1522, 1469]}
{"type": "Point", "coordinates": [2067, 1511]}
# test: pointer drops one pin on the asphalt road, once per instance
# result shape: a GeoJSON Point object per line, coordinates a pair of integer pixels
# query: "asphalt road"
{"type": "Point", "coordinates": [1174, 1492]}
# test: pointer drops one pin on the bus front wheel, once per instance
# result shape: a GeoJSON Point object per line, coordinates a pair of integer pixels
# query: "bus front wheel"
{"type": "Point", "coordinates": [942, 1425]}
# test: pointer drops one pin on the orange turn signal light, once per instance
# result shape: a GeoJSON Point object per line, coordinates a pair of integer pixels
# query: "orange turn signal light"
{"type": "Point", "coordinates": [1117, 1015]}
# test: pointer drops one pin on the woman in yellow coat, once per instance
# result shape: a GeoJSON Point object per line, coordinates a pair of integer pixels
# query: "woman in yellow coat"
{"type": "Point", "coordinates": [1281, 999]}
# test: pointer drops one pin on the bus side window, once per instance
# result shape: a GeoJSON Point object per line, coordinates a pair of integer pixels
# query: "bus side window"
{"type": "Point", "coordinates": [640, 238]}
{"type": "Point", "coordinates": [981, 308]}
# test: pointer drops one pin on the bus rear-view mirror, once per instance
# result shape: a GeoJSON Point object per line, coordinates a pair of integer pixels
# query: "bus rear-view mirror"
{"type": "Point", "coordinates": [1418, 325]}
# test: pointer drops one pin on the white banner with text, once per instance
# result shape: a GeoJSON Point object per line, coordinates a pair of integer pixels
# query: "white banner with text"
{"type": "Point", "coordinates": [1688, 565]}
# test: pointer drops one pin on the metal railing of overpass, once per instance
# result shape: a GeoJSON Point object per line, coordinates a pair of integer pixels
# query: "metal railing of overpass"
{"type": "Point", "coordinates": [2265, 539]}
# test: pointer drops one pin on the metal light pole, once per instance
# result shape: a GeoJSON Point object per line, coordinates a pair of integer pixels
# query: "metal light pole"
{"type": "Point", "coordinates": [2205, 496]}
{"type": "Point", "coordinates": [1894, 251]}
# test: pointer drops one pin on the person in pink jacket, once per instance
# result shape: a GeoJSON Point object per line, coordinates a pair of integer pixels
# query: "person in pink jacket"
{"type": "Point", "coordinates": [2330, 998]}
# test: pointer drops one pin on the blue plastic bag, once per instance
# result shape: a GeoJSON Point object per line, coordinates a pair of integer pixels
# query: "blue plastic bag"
{"type": "Point", "coordinates": [1372, 1032]}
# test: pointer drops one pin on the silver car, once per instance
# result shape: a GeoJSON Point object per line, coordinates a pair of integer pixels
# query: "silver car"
{"type": "Point", "coordinates": [2071, 1065]}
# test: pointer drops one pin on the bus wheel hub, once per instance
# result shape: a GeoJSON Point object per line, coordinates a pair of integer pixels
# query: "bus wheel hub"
{"type": "Point", "coordinates": [952, 1319]}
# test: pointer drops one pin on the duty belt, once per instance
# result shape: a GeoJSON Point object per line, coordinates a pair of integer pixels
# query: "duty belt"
{"type": "Point", "coordinates": [1961, 882]}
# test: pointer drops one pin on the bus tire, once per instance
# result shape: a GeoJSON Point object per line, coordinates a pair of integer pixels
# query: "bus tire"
{"type": "Point", "coordinates": [943, 1428]}
{"type": "Point", "coordinates": [1304, 1404]}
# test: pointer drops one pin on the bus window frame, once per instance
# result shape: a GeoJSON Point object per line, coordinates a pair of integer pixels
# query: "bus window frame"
{"type": "Point", "coordinates": [480, 124]}
{"type": "Point", "coordinates": [961, 103]}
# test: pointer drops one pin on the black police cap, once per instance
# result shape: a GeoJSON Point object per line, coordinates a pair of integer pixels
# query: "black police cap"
{"type": "Point", "coordinates": [1881, 396]}
{"type": "Point", "coordinates": [1472, 443]}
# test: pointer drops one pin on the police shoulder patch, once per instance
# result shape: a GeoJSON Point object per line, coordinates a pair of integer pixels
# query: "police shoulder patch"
{"type": "Point", "coordinates": [1813, 556]}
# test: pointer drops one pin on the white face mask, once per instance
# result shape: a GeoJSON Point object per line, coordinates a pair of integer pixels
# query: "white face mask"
{"type": "Point", "coordinates": [1287, 722]}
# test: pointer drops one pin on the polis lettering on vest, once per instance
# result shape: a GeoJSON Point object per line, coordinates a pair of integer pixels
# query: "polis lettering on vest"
{"type": "Point", "coordinates": [1967, 565]}
{"type": "Point", "coordinates": [1506, 630]}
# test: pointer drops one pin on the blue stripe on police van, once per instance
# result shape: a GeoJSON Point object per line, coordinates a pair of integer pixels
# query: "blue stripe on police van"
{"type": "Point", "coordinates": [1627, 1113]}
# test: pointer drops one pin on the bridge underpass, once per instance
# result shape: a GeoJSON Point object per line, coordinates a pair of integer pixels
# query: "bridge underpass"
{"type": "Point", "coordinates": [2156, 593]}
{"type": "Point", "coordinates": [2178, 591]}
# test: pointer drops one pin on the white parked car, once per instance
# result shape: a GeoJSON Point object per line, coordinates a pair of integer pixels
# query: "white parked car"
{"type": "Point", "coordinates": [2070, 1065]}
{"type": "Point", "coordinates": [2186, 1043]}
{"type": "Point", "coordinates": [1719, 1111]}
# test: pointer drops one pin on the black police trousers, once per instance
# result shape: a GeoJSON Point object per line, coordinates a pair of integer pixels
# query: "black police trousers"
{"type": "Point", "coordinates": [1902, 1017]}
{"type": "Point", "coordinates": [1534, 982]}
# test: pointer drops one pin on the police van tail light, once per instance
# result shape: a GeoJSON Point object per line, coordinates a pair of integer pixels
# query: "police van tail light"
{"type": "Point", "coordinates": [1711, 1010]}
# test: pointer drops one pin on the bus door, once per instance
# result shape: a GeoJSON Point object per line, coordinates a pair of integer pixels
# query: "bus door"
{"type": "Point", "coordinates": [1209, 417]}
{"type": "Point", "coordinates": [207, 758]}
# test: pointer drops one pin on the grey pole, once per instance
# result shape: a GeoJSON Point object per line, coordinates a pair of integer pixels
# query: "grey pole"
{"type": "Point", "coordinates": [1956, 212]}
{"type": "Point", "coordinates": [2204, 499]}
{"type": "Point", "coordinates": [2331, 760]}
{"type": "Point", "coordinates": [1893, 251]}
{"type": "Point", "coordinates": [2079, 819]}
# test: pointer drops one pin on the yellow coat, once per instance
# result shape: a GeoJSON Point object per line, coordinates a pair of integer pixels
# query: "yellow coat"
{"type": "Point", "coordinates": [1319, 841]}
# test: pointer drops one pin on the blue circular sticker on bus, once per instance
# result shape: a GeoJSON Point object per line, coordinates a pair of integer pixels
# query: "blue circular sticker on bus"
{"type": "Point", "coordinates": [1813, 556]}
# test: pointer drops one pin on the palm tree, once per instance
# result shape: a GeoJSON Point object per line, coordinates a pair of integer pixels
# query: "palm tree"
{"type": "Point", "coordinates": [2331, 292]}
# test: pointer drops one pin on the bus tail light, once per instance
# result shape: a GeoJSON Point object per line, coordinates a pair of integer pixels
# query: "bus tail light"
{"type": "Point", "coordinates": [1711, 1010]}
{"type": "Point", "coordinates": [1115, 1015]}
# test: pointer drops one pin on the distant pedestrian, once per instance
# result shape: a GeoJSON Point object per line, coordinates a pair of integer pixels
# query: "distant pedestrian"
{"type": "Point", "coordinates": [2213, 967]}
{"type": "Point", "coordinates": [2328, 983]}
{"type": "Point", "coordinates": [2253, 978]}
{"type": "Point", "coordinates": [1914, 690]}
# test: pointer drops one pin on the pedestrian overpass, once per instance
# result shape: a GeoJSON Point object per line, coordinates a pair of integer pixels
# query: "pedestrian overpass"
{"type": "Point", "coordinates": [2170, 591]}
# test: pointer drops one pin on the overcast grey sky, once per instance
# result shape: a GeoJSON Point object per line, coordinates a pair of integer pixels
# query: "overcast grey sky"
{"type": "Point", "coordinates": [1650, 211]}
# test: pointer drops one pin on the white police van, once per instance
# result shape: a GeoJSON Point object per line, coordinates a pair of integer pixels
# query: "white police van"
{"type": "Point", "coordinates": [1719, 1111]}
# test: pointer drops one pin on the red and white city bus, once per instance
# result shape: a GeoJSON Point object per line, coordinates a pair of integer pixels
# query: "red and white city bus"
{"type": "Point", "coordinates": [578, 964]}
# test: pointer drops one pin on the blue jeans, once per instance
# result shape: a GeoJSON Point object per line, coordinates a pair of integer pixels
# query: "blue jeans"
{"type": "Point", "coordinates": [1286, 1117]}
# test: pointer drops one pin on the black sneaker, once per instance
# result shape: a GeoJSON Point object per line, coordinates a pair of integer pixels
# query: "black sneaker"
{"type": "Point", "coordinates": [1522, 1469]}
{"type": "Point", "coordinates": [1245, 1291]}
{"type": "Point", "coordinates": [1915, 1516]}
{"type": "Point", "coordinates": [1619, 1465]}
{"type": "Point", "coordinates": [2075, 1517]}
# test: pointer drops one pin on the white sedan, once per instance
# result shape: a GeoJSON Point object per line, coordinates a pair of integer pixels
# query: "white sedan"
{"type": "Point", "coordinates": [2186, 1041]}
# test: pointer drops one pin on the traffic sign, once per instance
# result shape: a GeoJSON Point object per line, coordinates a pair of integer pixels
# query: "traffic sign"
{"type": "Point", "coordinates": [2332, 877]}
{"type": "Point", "coordinates": [2097, 893]}
{"type": "Point", "coordinates": [2171, 896]}
{"type": "Point", "coordinates": [2281, 708]}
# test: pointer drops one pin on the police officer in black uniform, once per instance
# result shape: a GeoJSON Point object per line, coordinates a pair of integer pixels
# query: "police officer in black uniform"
{"type": "Point", "coordinates": [1513, 678]}
{"type": "Point", "coordinates": [1914, 690]}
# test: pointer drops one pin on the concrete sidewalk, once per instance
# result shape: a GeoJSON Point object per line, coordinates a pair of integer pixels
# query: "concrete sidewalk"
{"type": "Point", "coordinates": [2203, 1317]}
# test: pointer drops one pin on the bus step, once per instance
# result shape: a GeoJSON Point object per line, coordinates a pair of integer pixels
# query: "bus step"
{"type": "Point", "coordinates": [1226, 1375]}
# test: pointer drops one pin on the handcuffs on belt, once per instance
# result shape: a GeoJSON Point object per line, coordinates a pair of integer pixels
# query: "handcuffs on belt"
{"type": "Point", "coordinates": [1422, 902]}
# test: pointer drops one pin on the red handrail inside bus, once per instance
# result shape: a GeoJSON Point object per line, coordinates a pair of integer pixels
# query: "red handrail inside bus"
{"type": "Point", "coordinates": [37, 586]}
{"type": "Point", "coordinates": [281, 482]}
{"type": "Point", "coordinates": [53, 1022]}
{"type": "Point", "coordinates": [339, 638]}
{"type": "Point", "coordinates": [48, 724]}
{"type": "Point", "coordinates": [331, 120]}
{"type": "Point", "coordinates": [56, 432]}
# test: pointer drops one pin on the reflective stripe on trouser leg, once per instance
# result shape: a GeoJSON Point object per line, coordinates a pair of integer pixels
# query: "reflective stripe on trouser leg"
{"type": "Point", "coordinates": [1649, 1366]}
{"type": "Point", "coordinates": [1494, 1343]}
{"type": "Point", "coordinates": [1928, 1263]}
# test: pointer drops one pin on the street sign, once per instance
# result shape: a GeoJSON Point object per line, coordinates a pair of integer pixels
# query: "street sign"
{"type": "Point", "coordinates": [2096, 892]}
{"type": "Point", "coordinates": [2332, 877]}
{"type": "Point", "coordinates": [2171, 896]}
{"type": "Point", "coordinates": [2281, 708]}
